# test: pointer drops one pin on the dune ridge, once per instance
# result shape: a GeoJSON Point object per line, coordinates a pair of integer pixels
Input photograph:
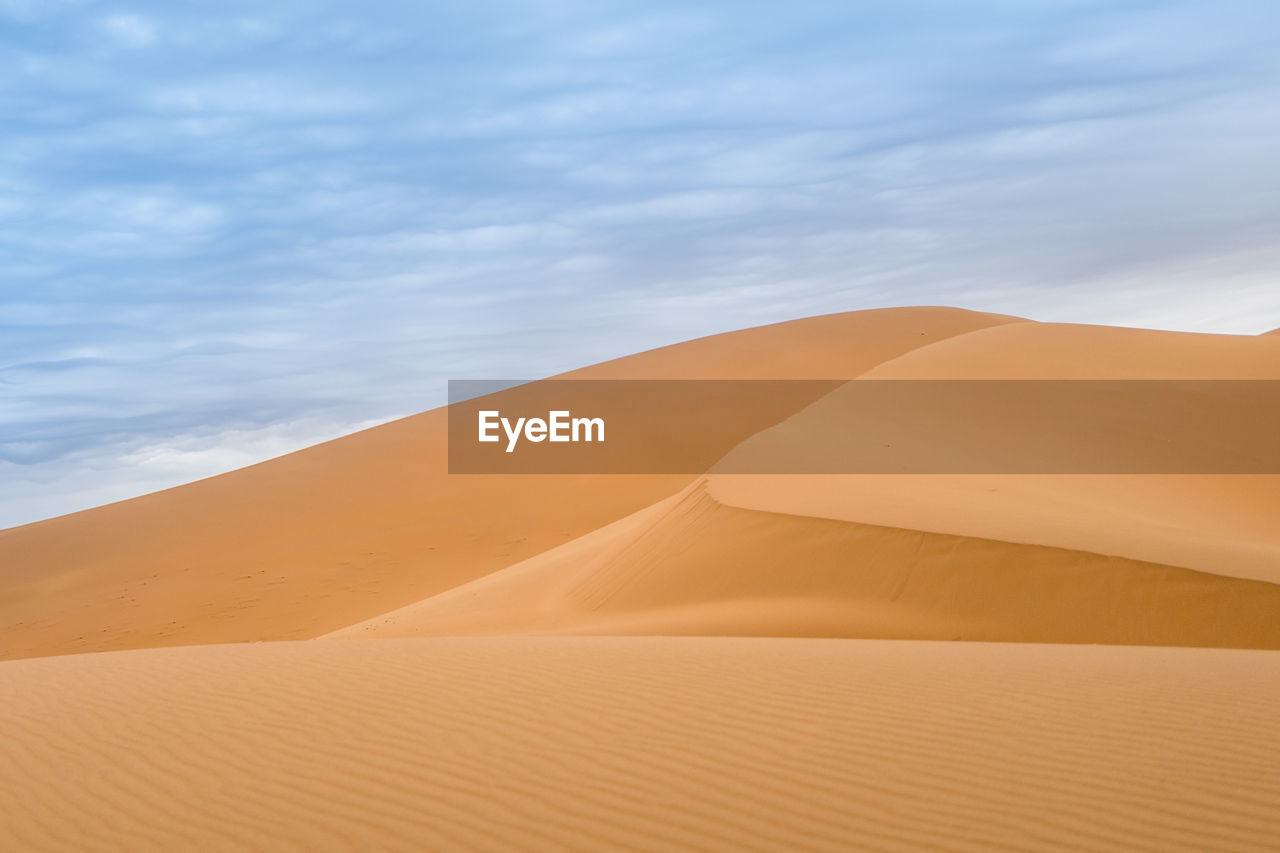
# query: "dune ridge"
{"type": "Point", "coordinates": [319, 539]}
{"type": "Point", "coordinates": [694, 566]}
{"type": "Point", "coordinates": [1222, 524]}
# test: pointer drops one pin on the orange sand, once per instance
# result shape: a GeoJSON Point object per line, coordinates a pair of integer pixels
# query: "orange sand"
{"type": "Point", "coordinates": [402, 720]}
{"type": "Point", "coordinates": [629, 743]}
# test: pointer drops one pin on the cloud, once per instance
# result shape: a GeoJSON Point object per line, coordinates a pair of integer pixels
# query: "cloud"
{"type": "Point", "coordinates": [217, 223]}
{"type": "Point", "coordinates": [130, 30]}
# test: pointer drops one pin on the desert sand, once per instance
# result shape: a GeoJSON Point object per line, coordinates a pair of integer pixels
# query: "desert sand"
{"type": "Point", "coordinates": [711, 660]}
{"type": "Point", "coordinates": [642, 743]}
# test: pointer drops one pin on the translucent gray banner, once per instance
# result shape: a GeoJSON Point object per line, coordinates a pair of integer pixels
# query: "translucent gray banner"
{"type": "Point", "coordinates": [565, 426]}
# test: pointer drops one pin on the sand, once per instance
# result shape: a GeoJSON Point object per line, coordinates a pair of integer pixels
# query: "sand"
{"type": "Point", "coordinates": [337, 533]}
{"type": "Point", "coordinates": [695, 566]}
{"type": "Point", "coordinates": [1223, 524]}
{"type": "Point", "coordinates": [707, 660]}
{"type": "Point", "coordinates": [641, 744]}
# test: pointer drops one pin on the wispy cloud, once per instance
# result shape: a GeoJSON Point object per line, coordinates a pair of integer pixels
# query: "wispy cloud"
{"type": "Point", "coordinates": [232, 230]}
{"type": "Point", "coordinates": [130, 30]}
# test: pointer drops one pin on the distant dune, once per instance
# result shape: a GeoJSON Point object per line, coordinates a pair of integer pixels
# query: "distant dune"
{"type": "Point", "coordinates": [708, 660]}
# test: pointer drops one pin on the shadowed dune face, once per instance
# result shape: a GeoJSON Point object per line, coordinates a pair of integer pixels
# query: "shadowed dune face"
{"type": "Point", "coordinates": [694, 566]}
{"type": "Point", "coordinates": [641, 743]}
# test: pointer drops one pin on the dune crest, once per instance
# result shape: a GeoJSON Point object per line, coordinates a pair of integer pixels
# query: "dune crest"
{"type": "Point", "coordinates": [1222, 524]}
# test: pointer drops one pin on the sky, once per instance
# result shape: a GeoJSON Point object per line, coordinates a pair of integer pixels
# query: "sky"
{"type": "Point", "coordinates": [231, 230]}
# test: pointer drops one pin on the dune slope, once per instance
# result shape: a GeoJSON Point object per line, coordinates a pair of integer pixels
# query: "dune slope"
{"type": "Point", "coordinates": [692, 565]}
{"type": "Point", "coordinates": [342, 533]}
{"type": "Point", "coordinates": [1223, 524]}
{"type": "Point", "coordinates": [336, 533]}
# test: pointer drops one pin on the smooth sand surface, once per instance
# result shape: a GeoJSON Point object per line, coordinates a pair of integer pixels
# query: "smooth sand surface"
{"type": "Point", "coordinates": [642, 744]}
{"type": "Point", "coordinates": [1223, 524]}
{"type": "Point", "coordinates": [704, 661]}
{"type": "Point", "coordinates": [694, 566]}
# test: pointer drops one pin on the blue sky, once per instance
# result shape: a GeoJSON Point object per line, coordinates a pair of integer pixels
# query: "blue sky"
{"type": "Point", "coordinates": [229, 230]}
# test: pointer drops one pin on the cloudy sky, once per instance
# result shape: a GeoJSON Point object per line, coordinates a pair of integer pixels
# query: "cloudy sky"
{"type": "Point", "coordinates": [229, 230]}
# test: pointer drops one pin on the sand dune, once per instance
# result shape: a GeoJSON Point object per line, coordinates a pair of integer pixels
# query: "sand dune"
{"type": "Point", "coordinates": [692, 565]}
{"type": "Point", "coordinates": [1224, 524]}
{"type": "Point", "coordinates": [642, 744]}
{"type": "Point", "coordinates": [687, 700]}
{"type": "Point", "coordinates": [343, 531]}
{"type": "Point", "coordinates": [1218, 524]}
{"type": "Point", "coordinates": [1066, 351]}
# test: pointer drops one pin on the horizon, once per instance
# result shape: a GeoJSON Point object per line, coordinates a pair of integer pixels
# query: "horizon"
{"type": "Point", "coordinates": [279, 450]}
{"type": "Point", "coordinates": [227, 236]}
